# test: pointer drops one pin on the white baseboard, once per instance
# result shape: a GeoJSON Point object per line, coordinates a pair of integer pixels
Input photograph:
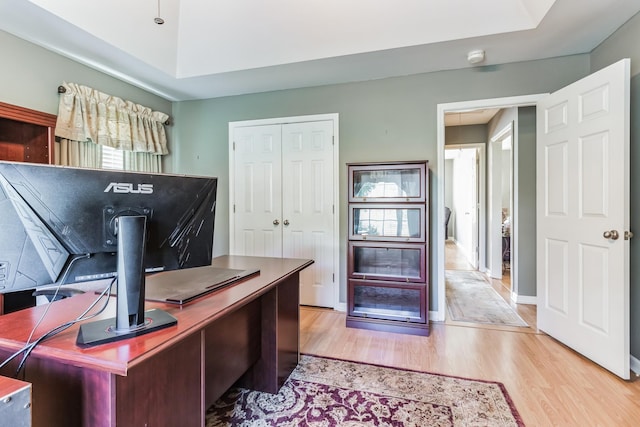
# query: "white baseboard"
{"type": "Point", "coordinates": [524, 299]}
{"type": "Point", "coordinates": [490, 275]}
{"type": "Point", "coordinates": [435, 316]}
{"type": "Point", "coordinates": [341, 306]}
{"type": "Point", "coordinates": [635, 365]}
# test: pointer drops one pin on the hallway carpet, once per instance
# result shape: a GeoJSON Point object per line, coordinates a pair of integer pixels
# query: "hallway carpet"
{"type": "Point", "coordinates": [470, 298]}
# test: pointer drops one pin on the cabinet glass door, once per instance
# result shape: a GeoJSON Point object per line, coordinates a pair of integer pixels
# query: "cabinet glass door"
{"type": "Point", "coordinates": [387, 183]}
{"type": "Point", "coordinates": [404, 223]}
{"type": "Point", "coordinates": [390, 302]}
{"type": "Point", "coordinates": [387, 261]}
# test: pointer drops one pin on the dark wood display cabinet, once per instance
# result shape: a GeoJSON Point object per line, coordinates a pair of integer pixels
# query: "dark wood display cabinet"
{"type": "Point", "coordinates": [26, 135]}
{"type": "Point", "coordinates": [387, 267]}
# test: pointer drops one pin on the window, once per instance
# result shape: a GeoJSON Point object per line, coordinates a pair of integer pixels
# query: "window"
{"type": "Point", "coordinates": [112, 158]}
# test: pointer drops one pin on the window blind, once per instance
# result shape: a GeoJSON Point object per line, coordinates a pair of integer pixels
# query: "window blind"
{"type": "Point", "coordinates": [112, 158]}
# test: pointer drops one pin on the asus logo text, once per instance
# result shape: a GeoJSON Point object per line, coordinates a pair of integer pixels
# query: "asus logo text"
{"type": "Point", "coordinates": [127, 187]}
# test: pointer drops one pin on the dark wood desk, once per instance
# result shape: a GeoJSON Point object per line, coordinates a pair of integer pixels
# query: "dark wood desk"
{"type": "Point", "coordinates": [247, 332]}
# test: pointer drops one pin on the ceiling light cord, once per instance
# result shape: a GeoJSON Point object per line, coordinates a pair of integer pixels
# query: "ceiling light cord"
{"type": "Point", "coordinates": [158, 20]}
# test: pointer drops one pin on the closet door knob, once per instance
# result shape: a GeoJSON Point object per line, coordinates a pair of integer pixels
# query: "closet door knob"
{"type": "Point", "coordinates": [613, 234]}
{"type": "Point", "coordinates": [286, 222]}
{"type": "Point", "coordinates": [276, 222]}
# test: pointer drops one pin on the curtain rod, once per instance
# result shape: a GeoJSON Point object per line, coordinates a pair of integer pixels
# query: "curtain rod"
{"type": "Point", "coordinates": [62, 89]}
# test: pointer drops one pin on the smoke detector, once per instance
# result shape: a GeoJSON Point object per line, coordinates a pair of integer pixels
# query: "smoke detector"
{"type": "Point", "coordinates": [475, 56]}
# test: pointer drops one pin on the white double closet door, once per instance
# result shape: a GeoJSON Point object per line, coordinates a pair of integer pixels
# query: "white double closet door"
{"type": "Point", "coordinates": [282, 199]}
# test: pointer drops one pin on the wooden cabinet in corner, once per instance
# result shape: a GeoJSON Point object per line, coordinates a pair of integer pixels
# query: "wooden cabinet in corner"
{"type": "Point", "coordinates": [388, 241]}
{"type": "Point", "coordinates": [26, 135]}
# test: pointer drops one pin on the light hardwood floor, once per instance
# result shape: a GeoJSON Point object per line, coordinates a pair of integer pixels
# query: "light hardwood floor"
{"type": "Point", "coordinates": [550, 384]}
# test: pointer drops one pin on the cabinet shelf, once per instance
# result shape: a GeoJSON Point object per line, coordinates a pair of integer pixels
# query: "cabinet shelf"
{"type": "Point", "coordinates": [387, 300]}
{"type": "Point", "coordinates": [387, 182]}
{"type": "Point", "coordinates": [387, 261]}
{"type": "Point", "coordinates": [387, 222]}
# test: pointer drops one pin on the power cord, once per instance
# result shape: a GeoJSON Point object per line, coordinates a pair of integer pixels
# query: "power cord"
{"type": "Point", "coordinates": [28, 348]}
{"type": "Point", "coordinates": [60, 283]}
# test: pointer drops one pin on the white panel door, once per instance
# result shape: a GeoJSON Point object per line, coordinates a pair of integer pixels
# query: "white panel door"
{"type": "Point", "coordinates": [583, 215]}
{"type": "Point", "coordinates": [283, 196]}
{"type": "Point", "coordinates": [308, 212]}
{"type": "Point", "coordinates": [258, 198]}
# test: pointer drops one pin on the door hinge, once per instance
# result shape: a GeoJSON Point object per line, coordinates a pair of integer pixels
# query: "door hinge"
{"type": "Point", "coordinates": [333, 277]}
{"type": "Point", "coordinates": [234, 208]}
{"type": "Point", "coordinates": [234, 146]}
{"type": "Point", "coordinates": [333, 140]}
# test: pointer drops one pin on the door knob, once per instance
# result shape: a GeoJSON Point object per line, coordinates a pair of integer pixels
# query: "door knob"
{"type": "Point", "coordinates": [286, 222]}
{"type": "Point", "coordinates": [613, 235]}
{"type": "Point", "coordinates": [276, 222]}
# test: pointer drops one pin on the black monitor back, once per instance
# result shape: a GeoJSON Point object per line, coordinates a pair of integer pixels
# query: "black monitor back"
{"type": "Point", "coordinates": [51, 215]}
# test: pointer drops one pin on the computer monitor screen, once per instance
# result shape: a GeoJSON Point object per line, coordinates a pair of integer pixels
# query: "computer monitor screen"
{"type": "Point", "coordinates": [50, 215]}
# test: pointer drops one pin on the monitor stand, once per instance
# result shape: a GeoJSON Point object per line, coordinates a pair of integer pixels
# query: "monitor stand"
{"type": "Point", "coordinates": [104, 331]}
{"type": "Point", "coordinates": [131, 319]}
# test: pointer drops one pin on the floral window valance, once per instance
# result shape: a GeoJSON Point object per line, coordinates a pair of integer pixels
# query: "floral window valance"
{"type": "Point", "coordinates": [86, 114]}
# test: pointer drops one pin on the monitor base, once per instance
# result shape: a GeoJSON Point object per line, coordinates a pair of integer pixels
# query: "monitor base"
{"type": "Point", "coordinates": [103, 331]}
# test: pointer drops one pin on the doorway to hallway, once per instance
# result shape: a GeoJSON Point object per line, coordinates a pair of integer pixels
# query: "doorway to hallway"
{"type": "Point", "coordinates": [478, 200]}
{"type": "Point", "coordinates": [497, 293]}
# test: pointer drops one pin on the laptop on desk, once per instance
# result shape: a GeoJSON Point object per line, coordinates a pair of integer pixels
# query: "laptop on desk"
{"type": "Point", "coordinates": [182, 286]}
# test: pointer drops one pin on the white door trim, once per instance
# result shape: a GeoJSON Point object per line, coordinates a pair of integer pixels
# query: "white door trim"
{"type": "Point", "coordinates": [514, 101]}
{"type": "Point", "coordinates": [495, 238]}
{"type": "Point", "coordinates": [336, 183]}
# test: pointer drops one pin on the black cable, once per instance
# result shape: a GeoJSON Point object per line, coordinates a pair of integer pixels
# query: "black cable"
{"type": "Point", "coordinates": [67, 325]}
{"type": "Point", "coordinates": [28, 348]}
{"type": "Point", "coordinates": [60, 283]}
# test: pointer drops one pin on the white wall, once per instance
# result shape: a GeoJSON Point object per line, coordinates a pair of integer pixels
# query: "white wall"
{"type": "Point", "coordinates": [464, 201]}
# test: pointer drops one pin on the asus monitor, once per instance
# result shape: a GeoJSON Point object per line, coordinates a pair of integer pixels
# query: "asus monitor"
{"type": "Point", "coordinates": [63, 225]}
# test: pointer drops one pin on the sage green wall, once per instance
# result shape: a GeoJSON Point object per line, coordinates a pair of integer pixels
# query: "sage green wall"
{"type": "Point", "coordinates": [388, 119]}
{"type": "Point", "coordinates": [526, 201]}
{"type": "Point", "coordinates": [30, 76]}
{"type": "Point", "coordinates": [623, 43]}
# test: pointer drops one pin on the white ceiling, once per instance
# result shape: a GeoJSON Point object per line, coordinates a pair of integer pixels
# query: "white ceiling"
{"type": "Point", "coordinates": [473, 117]}
{"type": "Point", "coordinates": [212, 48]}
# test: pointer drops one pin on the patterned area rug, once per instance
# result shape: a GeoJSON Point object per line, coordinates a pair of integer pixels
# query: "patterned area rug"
{"type": "Point", "coordinates": [470, 298]}
{"type": "Point", "coordinates": [328, 392]}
